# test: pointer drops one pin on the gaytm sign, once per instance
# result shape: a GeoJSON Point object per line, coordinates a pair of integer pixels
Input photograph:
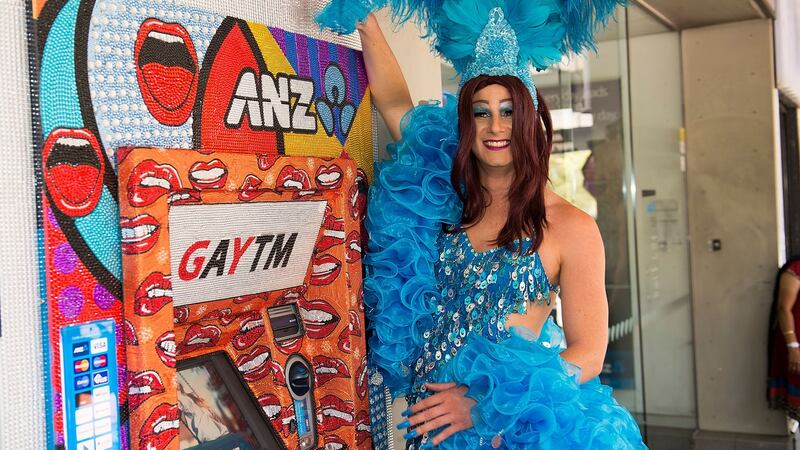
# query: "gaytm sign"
{"type": "Point", "coordinates": [268, 251]}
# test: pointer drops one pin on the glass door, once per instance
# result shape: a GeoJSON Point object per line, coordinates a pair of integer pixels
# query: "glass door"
{"type": "Point", "coordinates": [591, 167]}
{"type": "Point", "coordinates": [618, 155]}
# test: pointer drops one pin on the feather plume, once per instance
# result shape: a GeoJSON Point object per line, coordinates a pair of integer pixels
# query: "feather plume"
{"type": "Point", "coordinates": [545, 29]}
{"type": "Point", "coordinates": [341, 16]}
{"type": "Point", "coordinates": [580, 19]}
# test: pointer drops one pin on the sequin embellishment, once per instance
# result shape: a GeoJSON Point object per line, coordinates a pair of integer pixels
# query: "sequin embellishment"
{"type": "Point", "coordinates": [478, 291]}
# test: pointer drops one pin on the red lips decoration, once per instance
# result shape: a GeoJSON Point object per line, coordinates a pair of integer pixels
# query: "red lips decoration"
{"type": "Point", "coordinates": [180, 314]}
{"type": "Point", "coordinates": [139, 234]}
{"type": "Point", "coordinates": [292, 179]}
{"type": "Point", "coordinates": [251, 327]}
{"type": "Point", "coordinates": [149, 181]}
{"type": "Point", "coordinates": [271, 405]}
{"type": "Point", "coordinates": [246, 298]}
{"type": "Point", "coordinates": [327, 368]}
{"type": "Point", "coordinates": [199, 336]}
{"type": "Point", "coordinates": [160, 427]}
{"type": "Point", "coordinates": [278, 377]}
{"type": "Point", "coordinates": [324, 269]}
{"type": "Point", "coordinates": [152, 294]}
{"type": "Point", "coordinates": [286, 423]}
{"type": "Point", "coordinates": [362, 427]}
{"type": "Point", "coordinates": [334, 442]}
{"type": "Point", "coordinates": [166, 70]}
{"type": "Point", "coordinates": [358, 195]}
{"type": "Point", "coordinates": [353, 328]}
{"type": "Point", "coordinates": [142, 386]}
{"type": "Point", "coordinates": [250, 189]}
{"type": "Point", "coordinates": [74, 166]}
{"type": "Point", "coordinates": [166, 348]}
{"type": "Point", "coordinates": [130, 333]}
{"type": "Point", "coordinates": [332, 231]}
{"type": "Point", "coordinates": [184, 197]}
{"type": "Point", "coordinates": [319, 318]}
{"type": "Point", "coordinates": [329, 177]}
{"type": "Point", "coordinates": [335, 412]}
{"type": "Point", "coordinates": [289, 346]}
{"type": "Point", "coordinates": [353, 251]}
{"type": "Point", "coordinates": [361, 379]}
{"type": "Point", "coordinates": [267, 160]}
{"type": "Point", "coordinates": [254, 365]}
{"type": "Point", "coordinates": [223, 315]}
{"type": "Point", "coordinates": [208, 175]}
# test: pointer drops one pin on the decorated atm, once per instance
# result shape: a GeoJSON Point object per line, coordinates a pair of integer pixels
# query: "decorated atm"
{"type": "Point", "coordinates": [202, 188]}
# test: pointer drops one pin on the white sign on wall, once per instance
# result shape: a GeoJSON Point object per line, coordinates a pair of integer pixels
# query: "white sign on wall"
{"type": "Point", "coordinates": [229, 250]}
{"type": "Point", "coordinates": [787, 48]}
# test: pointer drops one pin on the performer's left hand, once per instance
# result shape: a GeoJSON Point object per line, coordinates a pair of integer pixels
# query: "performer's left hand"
{"type": "Point", "coordinates": [448, 408]}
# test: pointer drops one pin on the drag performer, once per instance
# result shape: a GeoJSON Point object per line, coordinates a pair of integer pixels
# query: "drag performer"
{"type": "Point", "coordinates": [468, 247]}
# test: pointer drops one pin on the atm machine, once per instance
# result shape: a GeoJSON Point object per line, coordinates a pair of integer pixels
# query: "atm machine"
{"type": "Point", "coordinates": [249, 295]}
{"type": "Point", "coordinates": [201, 176]}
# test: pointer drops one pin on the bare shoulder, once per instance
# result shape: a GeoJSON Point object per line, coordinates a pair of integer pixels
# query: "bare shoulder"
{"type": "Point", "coordinates": [572, 242]}
{"type": "Point", "coordinates": [567, 224]}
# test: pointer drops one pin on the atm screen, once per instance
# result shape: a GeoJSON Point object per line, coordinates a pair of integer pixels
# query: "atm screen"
{"type": "Point", "coordinates": [217, 410]}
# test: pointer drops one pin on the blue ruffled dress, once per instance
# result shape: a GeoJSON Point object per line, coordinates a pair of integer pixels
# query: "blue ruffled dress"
{"type": "Point", "coordinates": [437, 311]}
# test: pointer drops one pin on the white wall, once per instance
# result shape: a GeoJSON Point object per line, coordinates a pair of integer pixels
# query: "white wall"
{"type": "Point", "coordinates": [729, 99]}
{"type": "Point", "coordinates": [22, 406]}
{"type": "Point", "coordinates": [420, 67]}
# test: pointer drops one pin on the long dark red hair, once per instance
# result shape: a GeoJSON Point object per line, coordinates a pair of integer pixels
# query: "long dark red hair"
{"type": "Point", "coordinates": [531, 141]}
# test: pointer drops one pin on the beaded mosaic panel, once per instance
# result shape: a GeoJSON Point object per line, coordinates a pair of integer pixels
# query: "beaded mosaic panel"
{"type": "Point", "coordinates": [162, 73]}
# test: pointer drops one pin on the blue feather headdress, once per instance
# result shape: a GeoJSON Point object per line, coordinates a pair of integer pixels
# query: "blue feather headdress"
{"type": "Point", "coordinates": [492, 37]}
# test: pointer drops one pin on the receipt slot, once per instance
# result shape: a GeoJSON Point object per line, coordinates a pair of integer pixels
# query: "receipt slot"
{"type": "Point", "coordinates": [300, 380]}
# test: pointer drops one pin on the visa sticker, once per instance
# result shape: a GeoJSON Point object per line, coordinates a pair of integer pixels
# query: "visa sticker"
{"type": "Point", "coordinates": [99, 345]}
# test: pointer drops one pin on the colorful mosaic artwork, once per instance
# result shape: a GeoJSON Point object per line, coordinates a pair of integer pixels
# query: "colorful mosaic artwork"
{"type": "Point", "coordinates": [329, 298]}
{"type": "Point", "coordinates": [132, 73]}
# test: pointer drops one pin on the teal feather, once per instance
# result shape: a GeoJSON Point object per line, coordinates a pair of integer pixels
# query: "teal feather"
{"type": "Point", "coordinates": [580, 19]}
{"type": "Point", "coordinates": [546, 29]}
{"type": "Point", "coordinates": [341, 16]}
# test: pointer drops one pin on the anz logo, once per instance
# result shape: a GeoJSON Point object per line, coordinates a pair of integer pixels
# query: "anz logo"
{"type": "Point", "coordinates": [272, 102]}
{"type": "Point", "coordinates": [283, 102]}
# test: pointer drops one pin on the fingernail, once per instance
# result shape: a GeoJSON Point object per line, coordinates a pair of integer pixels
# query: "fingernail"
{"type": "Point", "coordinates": [406, 413]}
{"type": "Point", "coordinates": [427, 446]}
{"type": "Point", "coordinates": [402, 425]}
{"type": "Point", "coordinates": [410, 435]}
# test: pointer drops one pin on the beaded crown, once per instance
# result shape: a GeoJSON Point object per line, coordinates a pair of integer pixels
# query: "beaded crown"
{"type": "Point", "coordinates": [497, 53]}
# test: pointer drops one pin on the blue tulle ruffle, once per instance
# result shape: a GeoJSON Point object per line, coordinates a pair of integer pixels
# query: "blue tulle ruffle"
{"type": "Point", "coordinates": [409, 200]}
{"type": "Point", "coordinates": [528, 394]}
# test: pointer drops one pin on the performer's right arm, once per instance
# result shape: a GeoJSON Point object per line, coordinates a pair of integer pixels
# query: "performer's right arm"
{"type": "Point", "coordinates": [387, 84]}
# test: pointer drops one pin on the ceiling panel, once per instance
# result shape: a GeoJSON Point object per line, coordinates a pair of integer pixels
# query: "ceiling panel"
{"type": "Point", "coordinates": [698, 13]}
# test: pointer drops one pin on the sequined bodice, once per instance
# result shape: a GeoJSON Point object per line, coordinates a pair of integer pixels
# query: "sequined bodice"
{"type": "Point", "coordinates": [478, 292]}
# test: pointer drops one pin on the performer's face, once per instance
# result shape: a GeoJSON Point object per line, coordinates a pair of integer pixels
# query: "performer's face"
{"type": "Point", "coordinates": [492, 111]}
